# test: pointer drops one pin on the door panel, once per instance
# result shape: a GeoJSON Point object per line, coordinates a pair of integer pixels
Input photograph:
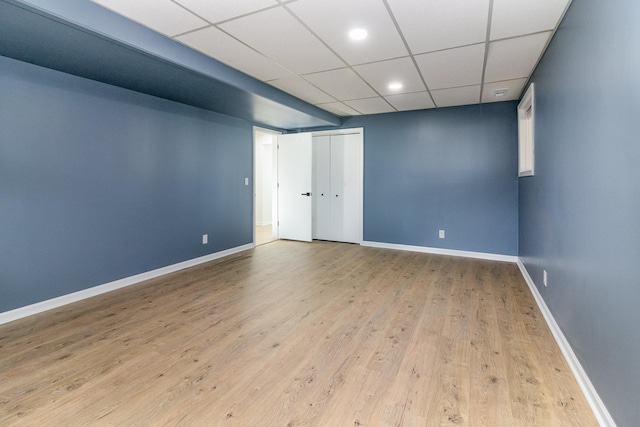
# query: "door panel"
{"type": "Point", "coordinates": [322, 188]}
{"type": "Point", "coordinates": [295, 186]}
{"type": "Point", "coordinates": [351, 188]}
{"type": "Point", "coordinates": [337, 188]}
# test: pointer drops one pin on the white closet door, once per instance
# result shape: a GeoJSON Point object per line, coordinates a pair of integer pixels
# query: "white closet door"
{"type": "Point", "coordinates": [322, 188]}
{"type": "Point", "coordinates": [337, 188]}
{"type": "Point", "coordinates": [346, 187]}
{"type": "Point", "coordinates": [295, 186]}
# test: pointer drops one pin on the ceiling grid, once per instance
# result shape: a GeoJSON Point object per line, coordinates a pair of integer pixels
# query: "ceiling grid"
{"type": "Point", "coordinates": [417, 54]}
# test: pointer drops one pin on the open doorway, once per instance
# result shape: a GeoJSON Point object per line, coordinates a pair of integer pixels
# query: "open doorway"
{"type": "Point", "coordinates": [265, 205]}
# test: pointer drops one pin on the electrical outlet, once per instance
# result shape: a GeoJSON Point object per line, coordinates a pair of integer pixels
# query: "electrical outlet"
{"type": "Point", "coordinates": [205, 239]}
{"type": "Point", "coordinates": [246, 181]}
{"type": "Point", "coordinates": [441, 234]}
{"type": "Point", "coordinates": [544, 277]}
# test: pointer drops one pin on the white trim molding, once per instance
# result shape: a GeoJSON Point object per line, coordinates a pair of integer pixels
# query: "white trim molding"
{"type": "Point", "coordinates": [597, 406]}
{"type": "Point", "coordinates": [29, 310]}
{"type": "Point", "coordinates": [439, 251]}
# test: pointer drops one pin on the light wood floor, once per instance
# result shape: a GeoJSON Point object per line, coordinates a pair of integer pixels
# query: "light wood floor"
{"type": "Point", "coordinates": [292, 334]}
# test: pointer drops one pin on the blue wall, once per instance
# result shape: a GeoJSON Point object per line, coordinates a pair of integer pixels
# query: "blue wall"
{"type": "Point", "coordinates": [101, 183]}
{"type": "Point", "coordinates": [98, 183]}
{"type": "Point", "coordinates": [580, 213]}
{"type": "Point", "coordinates": [453, 169]}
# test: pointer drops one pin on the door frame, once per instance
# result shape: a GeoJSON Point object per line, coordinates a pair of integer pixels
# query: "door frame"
{"type": "Point", "coordinates": [274, 194]}
{"type": "Point", "coordinates": [275, 211]}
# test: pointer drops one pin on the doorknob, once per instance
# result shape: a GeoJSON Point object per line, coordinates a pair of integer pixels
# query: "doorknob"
{"type": "Point", "coordinates": [306, 194]}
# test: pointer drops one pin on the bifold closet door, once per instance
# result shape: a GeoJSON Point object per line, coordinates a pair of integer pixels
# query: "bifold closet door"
{"type": "Point", "coordinates": [346, 188]}
{"type": "Point", "coordinates": [337, 171]}
{"type": "Point", "coordinates": [322, 188]}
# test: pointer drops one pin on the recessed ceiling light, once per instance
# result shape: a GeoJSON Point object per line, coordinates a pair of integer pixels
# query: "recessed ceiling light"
{"type": "Point", "coordinates": [358, 34]}
{"type": "Point", "coordinates": [395, 86]}
{"type": "Point", "coordinates": [499, 93]}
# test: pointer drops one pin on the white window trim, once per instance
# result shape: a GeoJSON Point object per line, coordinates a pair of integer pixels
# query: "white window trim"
{"type": "Point", "coordinates": [526, 133]}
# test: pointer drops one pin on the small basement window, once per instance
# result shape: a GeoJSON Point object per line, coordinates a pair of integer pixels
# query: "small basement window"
{"type": "Point", "coordinates": [526, 132]}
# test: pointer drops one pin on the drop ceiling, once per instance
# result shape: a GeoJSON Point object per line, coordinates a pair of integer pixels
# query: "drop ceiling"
{"type": "Point", "coordinates": [442, 52]}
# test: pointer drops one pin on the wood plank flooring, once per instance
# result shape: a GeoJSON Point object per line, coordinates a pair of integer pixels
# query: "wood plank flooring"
{"type": "Point", "coordinates": [296, 334]}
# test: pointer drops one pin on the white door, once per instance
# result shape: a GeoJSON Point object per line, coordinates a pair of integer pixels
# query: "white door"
{"type": "Point", "coordinates": [337, 212]}
{"type": "Point", "coordinates": [337, 198]}
{"type": "Point", "coordinates": [322, 188]}
{"type": "Point", "coordinates": [346, 188]}
{"type": "Point", "coordinates": [294, 186]}
{"type": "Point", "coordinates": [346, 153]}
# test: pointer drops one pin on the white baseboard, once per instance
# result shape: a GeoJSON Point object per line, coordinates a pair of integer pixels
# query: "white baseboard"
{"type": "Point", "coordinates": [597, 406]}
{"type": "Point", "coordinates": [439, 251]}
{"type": "Point", "coordinates": [19, 313]}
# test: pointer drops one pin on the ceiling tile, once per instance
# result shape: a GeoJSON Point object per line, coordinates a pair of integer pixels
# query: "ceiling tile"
{"type": "Point", "coordinates": [514, 88]}
{"type": "Point", "coordinates": [342, 84]}
{"type": "Point", "coordinates": [441, 24]}
{"type": "Point", "coordinates": [452, 67]}
{"type": "Point", "coordinates": [371, 105]}
{"type": "Point", "coordinates": [339, 109]}
{"type": "Point", "coordinates": [163, 16]}
{"type": "Point", "coordinates": [456, 96]}
{"type": "Point", "coordinates": [279, 36]}
{"type": "Point", "coordinates": [411, 101]}
{"type": "Point", "coordinates": [402, 70]}
{"type": "Point", "coordinates": [332, 20]}
{"type": "Point", "coordinates": [301, 88]}
{"type": "Point", "coordinates": [217, 11]}
{"type": "Point", "coordinates": [514, 18]}
{"type": "Point", "coordinates": [514, 58]}
{"type": "Point", "coordinates": [225, 48]}
{"type": "Point", "coordinates": [302, 47]}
